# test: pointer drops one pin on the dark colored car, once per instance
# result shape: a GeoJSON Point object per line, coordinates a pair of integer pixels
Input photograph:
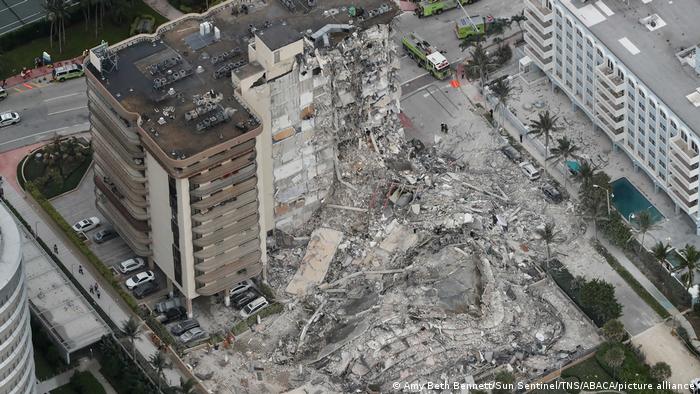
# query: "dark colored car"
{"type": "Point", "coordinates": [512, 153]}
{"type": "Point", "coordinates": [105, 235]}
{"type": "Point", "coordinates": [174, 314]}
{"type": "Point", "coordinates": [551, 193]}
{"type": "Point", "coordinates": [243, 299]}
{"type": "Point", "coordinates": [145, 289]}
{"type": "Point", "coordinates": [184, 326]}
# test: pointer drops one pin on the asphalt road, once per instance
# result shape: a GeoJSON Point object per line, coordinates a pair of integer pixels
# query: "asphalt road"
{"type": "Point", "coordinates": [47, 109]}
{"type": "Point", "coordinates": [439, 31]}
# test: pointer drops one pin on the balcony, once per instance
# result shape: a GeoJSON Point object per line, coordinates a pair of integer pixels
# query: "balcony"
{"type": "Point", "coordinates": [689, 183]}
{"type": "Point", "coordinates": [544, 65]}
{"type": "Point", "coordinates": [688, 197]}
{"type": "Point", "coordinates": [237, 270]}
{"type": "Point", "coordinates": [616, 133]}
{"type": "Point", "coordinates": [617, 122]}
{"type": "Point", "coordinates": [540, 12]}
{"type": "Point", "coordinates": [611, 80]}
{"type": "Point", "coordinates": [545, 39]}
{"type": "Point", "coordinates": [612, 109]}
{"type": "Point", "coordinates": [683, 152]}
{"type": "Point", "coordinates": [137, 240]}
{"type": "Point", "coordinates": [604, 91]}
{"type": "Point", "coordinates": [545, 52]}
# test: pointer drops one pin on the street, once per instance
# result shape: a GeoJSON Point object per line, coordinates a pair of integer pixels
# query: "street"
{"type": "Point", "coordinates": [46, 109]}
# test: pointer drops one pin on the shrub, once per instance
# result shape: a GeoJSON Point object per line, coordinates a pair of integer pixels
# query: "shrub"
{"type": "Point", "coordinates": [246, 324]}
{"type": "Point", "coordinates": [598, 300]}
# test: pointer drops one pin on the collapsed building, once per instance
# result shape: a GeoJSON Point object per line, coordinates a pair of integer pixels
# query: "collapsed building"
{"type": "Point", "coordinates": [221, 127]}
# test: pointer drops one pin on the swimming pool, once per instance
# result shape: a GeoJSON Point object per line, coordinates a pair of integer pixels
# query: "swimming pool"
{"type": "Point", "coordinates": [628, 200]}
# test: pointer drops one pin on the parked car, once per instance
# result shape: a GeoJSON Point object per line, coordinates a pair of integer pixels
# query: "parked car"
{"type": "Point", "coordinates": [166, 305]}
{"type": "Point", "coordinates": [86, 224]}
{"type": "Point", "coordinates": [139, 279]}
{"type": "Point", "coordinates": [105, 235]}
{"type": "Point", "coordinates": [145, 289]}
{"type": "Point", "coordinates": [3, 94]}
{"type": "Point", "coordinates": [551, 193]}
{"type": "Point", "coordinates": [242, 299]}
{"type": "Point", "coordinates": [68, 72]}
{"type": "Point", "coordinates": [184, 326]}
{"type": "Point", "coordinates": [254, 307]}
{"type": "Point", "coordinates": [241, 287]}
{"type": "Point", "coordinates": [193, 335]}
{"type": "Point", "coordinates": [512, 154]}
{"type": "Point", "coordinates": [172, 315]}
{"type": "Point", "coordinates": [131, 265]}
{"type": "Point", "coordinates": [9, 118]}
{"type": "Point", "coordinates": [530, 171]}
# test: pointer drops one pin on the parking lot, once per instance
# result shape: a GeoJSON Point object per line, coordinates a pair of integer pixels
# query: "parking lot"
{"type": "Point", "coordinates": [80, 204]}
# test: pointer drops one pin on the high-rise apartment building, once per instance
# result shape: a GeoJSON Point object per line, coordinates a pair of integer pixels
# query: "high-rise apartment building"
{"type": "Point", "coordinates": [16, 353]}
{"type": "Point", "coordinates": [221, 127]}
{"type": "Point", "coordinates": [634, 68]}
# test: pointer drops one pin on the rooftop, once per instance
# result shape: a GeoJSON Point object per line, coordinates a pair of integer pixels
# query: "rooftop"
{"type": "Point", "coordinates": [185, 73]}
{"type": "Point", "coordinates": [649, 49]}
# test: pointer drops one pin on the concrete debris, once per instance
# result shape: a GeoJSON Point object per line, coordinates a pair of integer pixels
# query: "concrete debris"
{"type": "Point", "coordinates": [319, 253]}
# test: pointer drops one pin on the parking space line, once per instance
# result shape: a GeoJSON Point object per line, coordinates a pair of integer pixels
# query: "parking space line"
{"type": "Point", "coordinates": [28, 86]}
{"type": "Point", "coordinates": [19, 90]}
{"type": "Point", "coordinates": [61, 97]}
{"type": "Point", "coordinates": [67, 110]}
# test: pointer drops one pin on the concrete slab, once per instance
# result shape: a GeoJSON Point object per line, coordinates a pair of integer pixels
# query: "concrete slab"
{"type": "Point", "coordinates": [313, 267]}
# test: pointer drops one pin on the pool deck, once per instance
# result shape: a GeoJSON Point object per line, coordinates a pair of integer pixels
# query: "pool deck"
{"type": "Point", "coordinates": [628, 200]}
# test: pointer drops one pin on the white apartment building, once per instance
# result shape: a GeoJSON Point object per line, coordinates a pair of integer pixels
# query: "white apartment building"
{"type": "Point", "coordinates": [16, 353]}
{"type": "Point", "coordinates": [633, 66]}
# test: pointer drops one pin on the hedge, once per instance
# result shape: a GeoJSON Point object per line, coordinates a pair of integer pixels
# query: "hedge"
{"type": "Point", "coordinates": [246, 324]}
{"type": "Point", "coordinates": [631, 281]}
{"type": "Point", "coordinates": [162, 332]}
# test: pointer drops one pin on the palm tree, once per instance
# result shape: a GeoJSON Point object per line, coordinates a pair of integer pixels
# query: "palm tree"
{"type": "Point", "coordinates": [595, 208]}
{"type": "Point", "coordinates": [586, 173]}
{"type": "Point", "coordinates": [691, 256]}
{"type": "Point", "coordinates": [480, 62]}
{"type": "Point", "coordinates": [614, 358]}
{"type": "Point", "coordinates": [547, 234]}
{"type": "Point", "coordinates": [158, 361]}
{"type": "Point", "coordinates": [661, 251]}
{"type": "Point", "coordinates": [544, 125]}
{"type": "Point", "coordinates": [85, 7]}
{"type": "Point", "coordinates": [186, 386]}
{"type": "Point", "coordinates": [614, 331]}
{"type": "Point", "coordinates": [519, 19]}
{"type": "Point", "coordinates": [645, 222]}
{"type": "Point", "coordinates": [660, 371]}
{"type": "Point", "coordinates": [130, 328]}
{"type": "Point", "coordinates": [564, 151]}
{"type": "Point", "coordinates": [57, 12]}
{"type": "Point", "coordinates": [502, 90]}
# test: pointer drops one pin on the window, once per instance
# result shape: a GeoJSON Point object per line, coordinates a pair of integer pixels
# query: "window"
{"type": "Point", "coordinates": [641, 94]}
{"type": "Point", "coordinates": [568, 23]}
{"type": "Point", "coordinates": [277, 56]}
{"type": "Point", "coordinates": [663, 114]}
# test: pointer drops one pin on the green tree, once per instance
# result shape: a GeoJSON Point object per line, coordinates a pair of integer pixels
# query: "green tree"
{"type": "Point", "coordinates": [660, 371]}
{"type": "Point", "coordinates": [547, 234]}
{"type": "Point", "coordinates": [159, 363]}
{"type": "Point", "coordinates": [480, 63]}
{"type": "Point", "coordinates": [564, 151]}
{"type": "Point", "coordinates": [598, 300]}
{"type": "Point", "coordinates": [130, 328]}
{"type": "Point", "coordinates": [614, 358]}
{"type": "Point", "coordinates": [502, 90]}
{"type": "Point", "coordinates": [519, 19]}
{"type": "Point", "coordinates": [645, 223]}
{"type": "Point", "coordinates": [661, 251]}
{"type": "Point", "coordinates": [544, 125]}
{"type": "Point", "coordinates": [595, 208]}
{"type": "Point", "coordinates": [614, 331]}
{"type": "Point", "coordinates": [691, 256]}
{"type": "Point", "coordinates": [186, 386]}
{"type": "Point", "coordinates": [57, 13]}
{"type": "Point", "coordinates": [506, 379]}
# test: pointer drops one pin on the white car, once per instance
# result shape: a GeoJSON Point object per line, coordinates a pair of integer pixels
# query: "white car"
{"type": "Point", "coordinates": [131, 265]}
{"type": "Point", "coordinates": [194, 334]}
{"type": "Point", "coordinates": [9, 118]}
{"type": "Point", "coordinates": [140, 278]}
{"type": "Point", "coordinates": [532, 173]}
{"type": "Point", "coordinates": [241, 287]}
{"type": "Point", "coordinates": [86, 224]}
{"type": "Point", "coordinates": [254, 307]}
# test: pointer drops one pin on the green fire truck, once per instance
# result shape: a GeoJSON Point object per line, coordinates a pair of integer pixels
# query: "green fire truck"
{"type": "Point", "coordinates": [476, 25]}
{"type": "Point", "coordinates": [432, 7]}
{"type": "Point", "coordinates": [426, 56]}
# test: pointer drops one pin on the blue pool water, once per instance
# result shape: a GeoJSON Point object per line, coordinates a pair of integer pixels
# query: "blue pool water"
{"type": "Point", "coordinates": [574, 166]}
{"type": "Point", "coordinates": [628, 200]}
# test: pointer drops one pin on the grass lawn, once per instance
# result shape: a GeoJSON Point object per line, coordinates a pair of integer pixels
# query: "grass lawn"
{"type": "Point", "coordinates": [33, 170]}
{"type": "Point", "coordinates": [588, 371]}
{"type": "Point", "coordinates": [81, 382]}
{"type": "Point", "coordinates": [77, 40]}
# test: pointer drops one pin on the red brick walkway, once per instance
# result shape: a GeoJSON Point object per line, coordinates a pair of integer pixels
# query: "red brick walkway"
{"type": "Point", "coordinates": [10, 159]}
{"type": "Point", "coordinates": [38, 73]}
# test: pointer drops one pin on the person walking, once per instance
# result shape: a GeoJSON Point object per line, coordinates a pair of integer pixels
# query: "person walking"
{"type": "Point", "coordinates": [92, 290]}
{"type": "Point", "coordinates": [55, 249]}
{"type": "Point", "coordinates": [97, 291]}
{"type": "Point", "coordinates": [80, 269]}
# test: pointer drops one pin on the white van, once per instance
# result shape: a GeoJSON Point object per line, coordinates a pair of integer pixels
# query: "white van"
{"type": "Point", "coordinates": [530, 171]}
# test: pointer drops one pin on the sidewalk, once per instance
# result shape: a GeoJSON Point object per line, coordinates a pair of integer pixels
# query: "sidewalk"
{"type": "Point", "coordinates": [536, 149]}
{"type": "Point", "coordinates": [39, 73]}
{"type": "Point", "coordinates": [109, 302]}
